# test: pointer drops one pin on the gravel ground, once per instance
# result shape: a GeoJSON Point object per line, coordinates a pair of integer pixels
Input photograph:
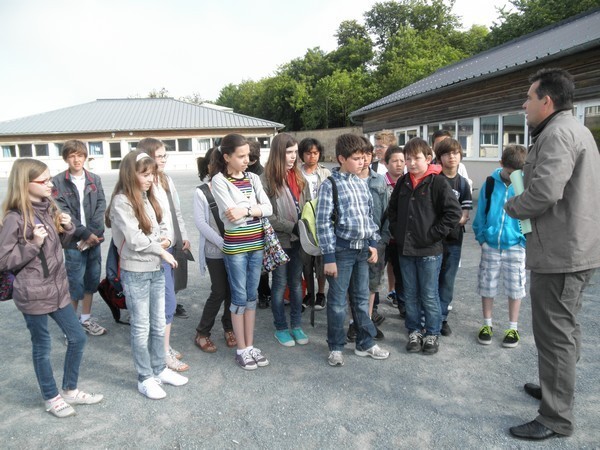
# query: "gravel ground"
{"type": "Point", "coordinates": [466, 396]}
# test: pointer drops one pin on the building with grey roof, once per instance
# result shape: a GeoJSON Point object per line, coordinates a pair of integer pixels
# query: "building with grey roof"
{"type": "Point", "coordinates": [112, 127]}
{"type": "Point", "coordinates": [479, 99]}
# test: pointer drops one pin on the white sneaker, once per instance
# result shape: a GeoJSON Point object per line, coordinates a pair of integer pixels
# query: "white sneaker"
{"type": "Point", "coordinates": [336, 358]}
{"type": "Point", "coordinates": [151, 389]}
{"type": "Point", "coordinates": [171, 377]}
{"type": "Point", "coordinates": [374, 352]}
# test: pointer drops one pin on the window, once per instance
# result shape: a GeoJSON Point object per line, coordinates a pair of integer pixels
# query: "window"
{"type": "Point", "coordinates": [58, 146]}
{"type": "Point", "coordinates": [132, 145]}
{"type": "Point", "coordinates": [451, 127]}
{"type": "Point", "coordinates": [185, 145]}
{"type": "Point", "coordinates": [95, 149]}
{"type": "Point", "coordinates": [203, 145]}
{"type": "Point", "coordinates": [488, 137]}
{"type": "Point", "coordinates": [431, 128]}
{"type": "Point", "coordinates": [404, 136]}
{"type": "Point", "coordinates": [513, 129]}
{"type": "Point", "coordinates": [592, 121]}
{"type": "Point", "coordinates": [9, 151]}
{"type": "Point", "coordinates": [25, 150]}
{"type": "Point", "coordinates": [265, 142]}
{"type": "Point", "coordinates": [464, 135]}
{"type": "Point", "coordinates": [41, 149]}
{"type": "Point", "coordinates": [115, 150]}
{"type": "Point", "coordinates": [169, 145]}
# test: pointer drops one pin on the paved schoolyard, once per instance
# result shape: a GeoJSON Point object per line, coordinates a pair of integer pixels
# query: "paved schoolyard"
{"type": "Point", "coordinates": [466, 396]}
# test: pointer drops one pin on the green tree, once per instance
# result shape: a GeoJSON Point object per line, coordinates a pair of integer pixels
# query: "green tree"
{"type": "Point", "coordinates": [355, 47]}
{"type": "Point", "coordinates": [527, 16]}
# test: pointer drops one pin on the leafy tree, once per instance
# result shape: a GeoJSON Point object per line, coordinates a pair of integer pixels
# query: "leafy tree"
{"type": "Point", "coordinates": [527, 16]}
{"type": "Point", "coordinates": [355, 47]}
{"type": "Point", "coordinates": [162, 93]}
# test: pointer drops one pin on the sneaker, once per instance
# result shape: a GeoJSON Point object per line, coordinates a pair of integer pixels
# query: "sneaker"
{"type": "Point", "coordinates": [379, 334]}
{"type": "Point", "coordinates": [258, 357]}
{"type": "Point", "coordinates": [93, 328]}
{"type": "Point", "coordinates": [415, 342]}
{"type": "Point", "coordinates": [264, 301]}
{"type": "Point", "coordinates": [246, 361]}
{"type": "Point", "coordinates": [485, 335]}
{"type": "Point", "coordinates": [174, 353]}
{"type": "Point", "coordinates": [151, 389]}
{"type": "Point", "coordinates": [320, 302]}
{"type": "Point", "coordinates": [430, 345]}
{"type": "Point", "coordinates": [299, 336]}
{"type": "Point", "coordinates": [336, 358]}
{"type": "Point", "coordinates": [176, 365]}
{"type": "Point", "coordinates": [392, 298]}
{"type": "Point", "coordinates": [284, 338]}
{"type": "Point", "coordinates": [374, 352]}
{"type": "Point", "coordinates": [446, 330]}
{"type": "Point", "coordinates": [351, 334]}
{"type": "Point", "coordinates": [402, 310]}
{"type": "Point", "coordinates": [308, 300]}
{"type": "Point", "coordinates": [59, 408]}
{"type": "Point", "coordinates": [511, 339]}
{"type": "Point", "coordinates": [377, 318]}
{"type": "Point", "coordinates": [168, 376]}
{"type": "Point", "coordinates": [180, 311]}
{"type": "Point", "coordinates": [82, 398]}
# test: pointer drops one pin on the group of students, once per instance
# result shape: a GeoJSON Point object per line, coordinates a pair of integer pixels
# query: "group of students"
{"type": "Point", "coordinates": [399, 209]}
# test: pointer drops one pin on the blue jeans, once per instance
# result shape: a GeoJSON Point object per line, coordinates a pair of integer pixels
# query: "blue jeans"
{"type": "Point", "coordinates": [83, 271]}
{"type": "Point", "coordinates": [353, 278]}
{"type": "Point", "coordinates": [420, 275]}
{"type": "Point", "coordinates": [67, 320]}
{"type": "Point", "coordinates": [289, 275]}
{"type": "Point", "coordinates": [170, 300]}
{"type": "Point", "coordinates": [243, 271]}
{"type": "Point", "coordinates": [145, 294]}
{"type": "Point", "coordinates": [450, 262]}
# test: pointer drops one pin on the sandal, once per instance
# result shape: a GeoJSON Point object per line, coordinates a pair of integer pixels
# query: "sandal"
{"type": "Point", "coordinates": [205, 344]}
{"type": "Point", "coordinates": [59, 408]}
{"type": "Point", "coordinates": [230, 339]}
{"type": "Point", "coordinates": [176, 365]}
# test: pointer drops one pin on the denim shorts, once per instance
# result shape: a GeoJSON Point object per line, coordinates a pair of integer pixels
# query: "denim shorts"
{"type": "Point", "coordinates": [83, 271]}
{"type": "Point", "coordinates": [509, 262]}
{"type": "Point", "coordinates": [243, 271]}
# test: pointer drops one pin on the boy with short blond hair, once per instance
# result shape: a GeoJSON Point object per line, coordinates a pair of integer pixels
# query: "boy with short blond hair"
{"type": "Point", "coordinates": [348, 246]}
{"type": "Point", "coordinates": [422, 211]}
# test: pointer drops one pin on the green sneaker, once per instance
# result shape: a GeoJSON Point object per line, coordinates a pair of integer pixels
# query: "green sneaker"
{"type": "Point", "coordinates": [284, 338]}
{"type": "Point", "coordinates": [485, 335]}
{"type": "Point", "coordinates": [299, 336]}
{"type": "Point", "coordinates": [511, 339]}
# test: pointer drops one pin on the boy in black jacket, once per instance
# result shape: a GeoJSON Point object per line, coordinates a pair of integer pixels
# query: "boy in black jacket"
{"type": "Point", "coordinates": [422, 211]}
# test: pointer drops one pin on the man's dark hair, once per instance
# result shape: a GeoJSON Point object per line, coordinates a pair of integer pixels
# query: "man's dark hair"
{"type": "Point", "coordinates": [447, 146]}
{"type": "Point", "coordinates": [367, 146]}
{"type": "Point", "coordinates": [348, 144]}
{"type": "Point", "coordinates": [415, 146]}
{"type": "Point", "coordinates": [439, 133]}
{"type": "Point", "coordinates": [390, 151]}
{"type": "Point", "coordinates": [307, 144]}
{"type": "Point", "coordinates": [254, 150]}
{"type": "Point", "coordinates": [513, 156]}
{"type": "Point", "coordinates": [557, 84]}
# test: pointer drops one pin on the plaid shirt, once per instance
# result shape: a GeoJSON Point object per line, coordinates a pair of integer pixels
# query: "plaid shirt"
{"type": "Point", "coordinates": [355, 223]}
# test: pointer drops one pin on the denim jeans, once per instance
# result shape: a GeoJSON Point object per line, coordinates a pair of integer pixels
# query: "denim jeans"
{"type": "Point", "coordinates": [145, 294]}
{"type": "Point", "coordinates": [243, 271]}
{"type": "Point", "coordinates": [353, 278]}
{"type": "Point", "coordinates": [393, 258]}
{"type": "Point", "coordinates": [170, 300]}
{"type": "Point", "coordinates": [450, 263]}
{"type": "Point", "coordinates": [289, 275]}
{"type": "Point", "coordinates": [41, 345]}
{"type": "Point", "coordinates": [83, 271]}
{"type": "Point", "coordinates": [420, 275]}
{"type": "Point", "coordinates": [219, 294]}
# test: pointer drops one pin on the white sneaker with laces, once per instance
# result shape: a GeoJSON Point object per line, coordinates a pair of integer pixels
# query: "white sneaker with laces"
{"type": "Point", "coordinates": [151, 389]}
{"type": "Point", "coordinates": [93, 328]}
{"type": "Point", "coordinates": [336, 358]}
{"type": "Point", "coordinates": [171, 377]}
{"type": "Point", "coordinates": [82, 398]}
{"type": "Point", "coordinates": [374, 352]}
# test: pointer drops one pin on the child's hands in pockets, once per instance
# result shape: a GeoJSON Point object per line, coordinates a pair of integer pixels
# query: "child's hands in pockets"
{"type": "Point", "coordinates": [170, 259]}
{"type": "Point", "coordinates": [373, 258]}
{"type": "Point", "coordinates": [39, 234]}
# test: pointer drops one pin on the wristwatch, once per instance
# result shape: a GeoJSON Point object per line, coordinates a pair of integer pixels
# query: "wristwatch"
{"type": "Point", "coordinates": [249, 213]}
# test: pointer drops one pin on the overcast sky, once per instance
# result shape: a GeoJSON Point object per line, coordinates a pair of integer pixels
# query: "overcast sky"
{"type": "Point", "coordinates": [59, 53]}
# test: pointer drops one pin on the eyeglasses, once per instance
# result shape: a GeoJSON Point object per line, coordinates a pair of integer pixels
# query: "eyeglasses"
{"type": "Point", "coordinates": [46, 182]}
{"type": "Point", "coordinates": [164, 157]}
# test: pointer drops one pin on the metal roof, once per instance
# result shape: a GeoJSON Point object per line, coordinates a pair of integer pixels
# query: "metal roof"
{"type": "Point", "coordinates": [131, 114]}
{"type": "Point", "coordinates": [576, 33]}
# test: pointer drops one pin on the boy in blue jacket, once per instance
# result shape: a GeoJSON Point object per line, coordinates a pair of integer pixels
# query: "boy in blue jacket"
{"type": "Point", "coordinates": [502, 247]}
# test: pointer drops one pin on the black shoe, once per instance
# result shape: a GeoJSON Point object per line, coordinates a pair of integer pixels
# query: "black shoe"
{"type": "Point", "coordinates": [415, 342]}
{"type": "Point", "coordinates": [533, 430]}
{"type": "Point", "coordinates": [351, 335]}
{"type": "Point", "coordinates": [533, 390]}
{"type": "Point", "coordinates": [264, 301]}
{"type": "Point", "coordinates": [430, 345]}
{"type": "Point", "coordinates": [377, 318]}
{"type": "Point", "coordinates": [308, 300]}
{"type": "Point", "coordinates": [402, 310]}
{"type": "Point", "coordinates": [379, 336]}
{"type": "Point", "coordinates": [181, 312]}
{"type": "Point", "coordinates": [446, 330]}
{"type": "Point", "coordinates": [320, 302]}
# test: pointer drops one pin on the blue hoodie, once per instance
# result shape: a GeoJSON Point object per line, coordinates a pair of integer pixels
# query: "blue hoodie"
{"type": "Point", "coordinates": [498, 229]}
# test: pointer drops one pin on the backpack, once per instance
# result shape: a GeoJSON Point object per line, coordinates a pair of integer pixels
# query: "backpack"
{"type": "Point", "coordinates": [212, 204]}
{"type": "Point", "coordinates": [307, 225]}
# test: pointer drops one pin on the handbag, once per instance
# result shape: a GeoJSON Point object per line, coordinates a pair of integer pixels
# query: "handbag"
{"type": "Point", "coordinates": [6, 285]}
{"type": "Point", "coordinates": [110, 288]}
{"type": "Point", "coordinates": [274, 255]}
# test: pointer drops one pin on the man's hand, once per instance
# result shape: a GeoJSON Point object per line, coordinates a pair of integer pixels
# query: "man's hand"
{"type": "Point", "coordinates": [373, 258]}
{"type": "Point", "coordinates": [331, 270]}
